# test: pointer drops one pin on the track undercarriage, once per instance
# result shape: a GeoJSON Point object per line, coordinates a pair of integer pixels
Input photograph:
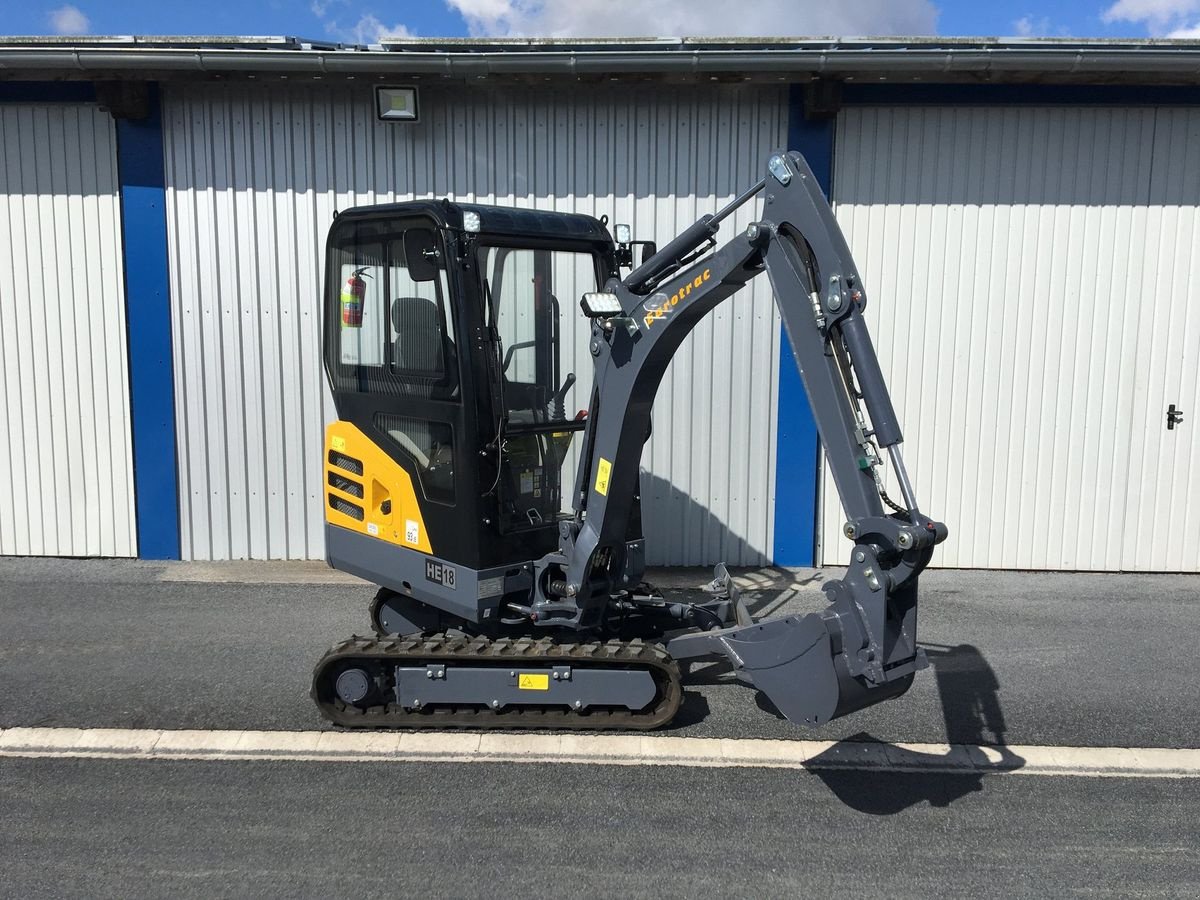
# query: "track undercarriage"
{"type": "Point", "coordinates": [458, 677]}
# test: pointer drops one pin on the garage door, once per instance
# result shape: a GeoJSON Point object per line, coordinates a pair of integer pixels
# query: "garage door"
{"type": "Point", "coordinates": [1035, 295]}
{"type": "Point", "coordinates": [67, 483]}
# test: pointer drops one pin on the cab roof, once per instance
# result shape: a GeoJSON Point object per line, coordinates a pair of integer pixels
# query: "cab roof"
{"type": "Point", "coordinates": [500, 221]}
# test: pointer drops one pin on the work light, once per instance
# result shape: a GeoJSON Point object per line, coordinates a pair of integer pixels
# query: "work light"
{"type": "Point", "coordinates": [600, 304]}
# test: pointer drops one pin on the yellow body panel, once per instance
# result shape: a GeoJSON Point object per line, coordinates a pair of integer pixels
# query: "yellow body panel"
{"type": "Point", "coordinates": [381, 479]}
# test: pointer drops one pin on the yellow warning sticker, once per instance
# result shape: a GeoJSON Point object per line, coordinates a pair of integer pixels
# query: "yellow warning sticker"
{"type": "Point", "coordinates": [530, 681]}
{"type": "Point", "coordinates": [602, 472]}
{"type": "Point", "coordinates": [337, 443]}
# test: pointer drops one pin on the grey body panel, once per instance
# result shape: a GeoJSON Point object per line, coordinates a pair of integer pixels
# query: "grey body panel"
{"type": "Point", "coordinates": [500, 686]}
{"type": "Point", "coordinates": [406, 572]}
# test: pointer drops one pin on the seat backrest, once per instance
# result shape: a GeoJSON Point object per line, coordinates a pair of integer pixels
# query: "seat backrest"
{"type": "Point", "coordinates": [420, 349]}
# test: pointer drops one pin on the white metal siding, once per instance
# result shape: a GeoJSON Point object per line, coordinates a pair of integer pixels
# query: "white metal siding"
{"type": "Point", "coordinates": [1161, 525]}
{"type": "Point", "coordinates": [253, 177]}
{"type": "Point", "coordinates": [1028, 272]}
{"type": "Point", "coordinates": [67, 484]}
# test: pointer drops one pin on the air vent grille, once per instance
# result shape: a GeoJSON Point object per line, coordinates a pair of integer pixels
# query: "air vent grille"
{"type": "Point", "coordinates": [346, 485]}
{"type": "Point", "coordinates": [346, 463]}
{"type": "Point", "coordinates": [346, 508]}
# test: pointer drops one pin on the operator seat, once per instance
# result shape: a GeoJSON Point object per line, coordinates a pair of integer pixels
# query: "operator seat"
{"type": "Point", "coordinates": [423, 354]}
{"type": "Point", "coordinates": [423, 351]}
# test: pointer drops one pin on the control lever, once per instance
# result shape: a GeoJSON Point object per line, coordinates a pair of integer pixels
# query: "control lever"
{"type": "Point", "coordinates": [555, 409]}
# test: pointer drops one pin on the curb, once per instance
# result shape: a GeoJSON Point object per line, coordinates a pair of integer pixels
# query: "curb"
{"type": "Point", "coordinates": [627, 750]}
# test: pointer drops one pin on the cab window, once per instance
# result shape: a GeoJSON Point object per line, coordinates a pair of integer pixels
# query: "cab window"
{"type": "Point", "coordinates": [524, 287]}
{"type": "Point", "coordinates": [394, 331]}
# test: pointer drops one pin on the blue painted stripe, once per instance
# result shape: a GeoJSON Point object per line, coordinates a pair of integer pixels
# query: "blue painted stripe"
{"type": "Point", "coordinates": [148, 314]}
{"type": "Point", "coordinates": [796, 463]}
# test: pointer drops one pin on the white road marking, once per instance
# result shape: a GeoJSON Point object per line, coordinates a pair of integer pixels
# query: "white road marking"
{"type": "Point", "coordinates": [623, 750]}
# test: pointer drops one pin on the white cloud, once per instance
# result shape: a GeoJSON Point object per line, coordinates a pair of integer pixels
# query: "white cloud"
{"type": "Point", "coordinates": [663, 18]}
{"type": "Point", "coordinates": [1159, 17]}
{"type": "Point", "coordinates": [1186, 33]}
{"type": "Point", "coordinates": [69, 20]}
{"type": "Point", "coordinates": [370, 30]}
{"type": "Point", "coordinates": [1028, 26]}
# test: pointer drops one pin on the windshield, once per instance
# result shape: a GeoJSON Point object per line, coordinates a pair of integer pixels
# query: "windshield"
{"type": "Point", "coordinates": [527, 289]}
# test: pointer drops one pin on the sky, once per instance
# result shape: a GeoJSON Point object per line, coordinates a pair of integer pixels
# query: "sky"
{"type": "Point", "coordinates": [369, 21]}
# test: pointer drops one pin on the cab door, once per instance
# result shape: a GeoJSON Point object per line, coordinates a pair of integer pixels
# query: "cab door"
{"type": "Point", "coordinates": [539, 388]}
{"type": "Point", "coordinates": [393, 362]}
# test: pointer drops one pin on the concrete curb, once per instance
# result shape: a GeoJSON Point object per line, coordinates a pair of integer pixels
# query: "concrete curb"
{"type": "Point", "coordinates": [627, 750]}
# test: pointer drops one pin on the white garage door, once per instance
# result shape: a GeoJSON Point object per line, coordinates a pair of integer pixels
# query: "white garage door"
{"type": "Point", "coordinates": [1034, 284]}
{"type": "Point", "coordinates": [67, 484]}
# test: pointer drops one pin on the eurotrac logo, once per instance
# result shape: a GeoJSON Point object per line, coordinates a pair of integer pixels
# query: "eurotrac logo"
{"type": "Point", "coordinates": [660, 310]}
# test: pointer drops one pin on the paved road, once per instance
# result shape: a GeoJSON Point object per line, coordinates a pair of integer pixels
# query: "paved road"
{"type": "Point", "coordinates": [131, 829]}
{"type": "Point", "coordinates": [1074, 660]}
{"type": "Point", "coordinates": [1025, 658]}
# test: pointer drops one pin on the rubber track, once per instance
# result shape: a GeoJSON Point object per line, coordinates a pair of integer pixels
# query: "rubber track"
{"type": "Point", "coordinates": [383, 654]}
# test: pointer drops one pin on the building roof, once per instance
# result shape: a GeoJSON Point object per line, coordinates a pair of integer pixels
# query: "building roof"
{"type": "Point", "coordinates": [891, 59]}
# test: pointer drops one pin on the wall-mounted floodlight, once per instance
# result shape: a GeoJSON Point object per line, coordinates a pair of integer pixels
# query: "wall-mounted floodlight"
{"type": "Point", "coordinates": [396, 104]}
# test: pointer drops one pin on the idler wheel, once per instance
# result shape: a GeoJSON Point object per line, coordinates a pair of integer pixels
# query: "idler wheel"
{"type": "Point", "coordinates": [353, 685]}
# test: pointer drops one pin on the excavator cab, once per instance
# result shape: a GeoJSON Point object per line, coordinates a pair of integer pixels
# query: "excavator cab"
{"type": "Point", "coordinates": [451, 357]}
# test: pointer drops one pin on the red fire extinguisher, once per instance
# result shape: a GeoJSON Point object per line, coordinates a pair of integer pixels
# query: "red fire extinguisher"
{"type": "Point", "coordinates": [354, 292]}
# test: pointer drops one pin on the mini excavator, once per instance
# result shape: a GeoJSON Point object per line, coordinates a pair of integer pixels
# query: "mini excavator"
{"type": "Point", "coordinates": [509, 599]}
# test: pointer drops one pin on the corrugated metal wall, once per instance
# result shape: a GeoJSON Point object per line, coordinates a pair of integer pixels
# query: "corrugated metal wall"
{"type": "Point", "coordinates": [67, 485]}
{"type": "Point", "coordinates": [1034, 288]}
{"type": "Point", "coordinates": [1161, 522]}
{"type": "Point", "coordinates": [253, 176]}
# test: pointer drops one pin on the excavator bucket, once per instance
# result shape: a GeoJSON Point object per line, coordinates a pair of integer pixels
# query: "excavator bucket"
{"type": "Point", "coordinates": [800, 662]}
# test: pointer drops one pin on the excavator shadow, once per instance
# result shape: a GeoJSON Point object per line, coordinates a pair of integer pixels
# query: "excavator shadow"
{"type": "Point", "coordinates": [693, 710]}
{"type": "Point", "coordinates": [970, 698]}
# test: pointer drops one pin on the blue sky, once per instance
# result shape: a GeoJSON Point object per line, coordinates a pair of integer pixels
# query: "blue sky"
{"type": "Point", "coordinates": [370, 20]}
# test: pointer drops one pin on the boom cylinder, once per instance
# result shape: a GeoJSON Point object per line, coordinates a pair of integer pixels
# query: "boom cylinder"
{"type": "Point", "coordinates": [870, 381]}
{"type": "Point", "coordinates": [687, 241]}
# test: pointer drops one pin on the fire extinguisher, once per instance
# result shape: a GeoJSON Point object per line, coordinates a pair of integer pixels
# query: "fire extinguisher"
{"type": "Point", "coordinates": [354, 292]}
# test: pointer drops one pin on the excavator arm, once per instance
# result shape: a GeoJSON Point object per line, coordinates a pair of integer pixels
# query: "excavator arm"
{"type": "Point", "coordinates": [862, 648]}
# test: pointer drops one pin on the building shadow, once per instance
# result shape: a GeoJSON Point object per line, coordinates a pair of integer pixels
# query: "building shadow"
{"type": "Point", "coordinates": [970, 696]}
{"type": "Point", "coordinates": [679, 529]}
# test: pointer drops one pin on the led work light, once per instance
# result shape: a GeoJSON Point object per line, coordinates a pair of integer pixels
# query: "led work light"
{"type": "Point", "coordinates": [600, 304]}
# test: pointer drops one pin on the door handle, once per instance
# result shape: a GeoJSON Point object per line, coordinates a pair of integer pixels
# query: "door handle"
{"type": "Point", "coordinates": [1174, 417]}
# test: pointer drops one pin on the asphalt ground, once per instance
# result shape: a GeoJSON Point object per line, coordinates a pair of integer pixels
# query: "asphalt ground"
{"type": "Point", "coordinates": [97, 828]}
{"type": "Point", "coordinates": [1054, 659]}
{"type": "Point", "coordinates": [1070, 660]}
